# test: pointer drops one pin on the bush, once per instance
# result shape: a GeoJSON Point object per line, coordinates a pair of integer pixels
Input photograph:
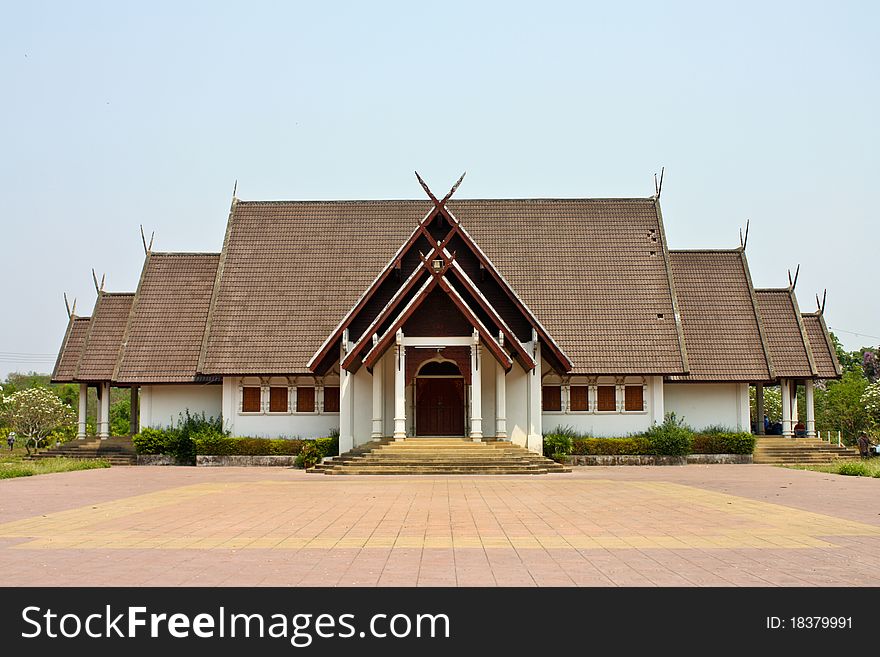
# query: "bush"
{"type": "Point", "coordinates": [558, 443]}
{"type": "Point", "coordinates": [853, 468]}
{"type": "Point", "coordinates": [228, 446]}
{"type": "Point", "coordinates": [611, 446]}
{"type": "Point", "coordinates": [722, 443]}
{"type": "Point", "coordinates": [308, 456]}
{"type": "Point", "coordinates": [328, 446]}
{"type": "Point", "coordinates": [672, 438]}
{"type": "Point", "coordinates": [179, 440]}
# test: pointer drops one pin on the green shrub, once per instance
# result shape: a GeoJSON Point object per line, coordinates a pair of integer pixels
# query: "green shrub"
{"type": "Point", "coordinates": [308, 456]}
{"type": "Point", "coordinates": [328, 446]}
{"type": "Point", "coordinates": [714, 429]}
{"type": "Point", "coordinates": [226, 446]}
{"type": "Point", "coordinates": [722, 443]}
{"type": "Point", "coordinates": [558, 443]}
{"type": "Point", "coordinates": [611, 446]}
{"type": "Point", "coordinates": [672, 438]}
{"type": "Point", "coordinates": [179, 440]}
{"type": "Point", "coordinates": [853, 468]}
{"type": "Point", "coordinates": [150, 441]}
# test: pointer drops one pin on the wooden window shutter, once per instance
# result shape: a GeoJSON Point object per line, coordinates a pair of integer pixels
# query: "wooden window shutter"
{"type": "Point", "coordinates": [331, 399]}
{"type": "Point", "coordinates": [278, 399]}
{"type": "Point", "coordinates": [251, 399]}
{"type": "Point", "coordinates": [579, 399]}
{"type": "Point", "coordinates": [551, 397]}
{"type": "Point", "coordinates": [606, 397]}
{"type": "Point", "coordinates": [305, 400]}
{"type": "Point", "coordinates": [634, 398]}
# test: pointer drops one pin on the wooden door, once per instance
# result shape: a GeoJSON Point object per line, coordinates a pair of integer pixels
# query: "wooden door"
{"type": "Point", "coordinates": [439, 407]}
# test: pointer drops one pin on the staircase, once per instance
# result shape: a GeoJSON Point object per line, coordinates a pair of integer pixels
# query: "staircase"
{"type": "Point", "coordinates": [117, 450]}
{"type": "Point", "coordinates": [438, 456]}
{"type": "Point", "coordinates": [776, 450]}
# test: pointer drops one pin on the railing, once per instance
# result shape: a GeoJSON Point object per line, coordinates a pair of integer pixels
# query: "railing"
{"type": "Point", "coordinates": [830, 437]}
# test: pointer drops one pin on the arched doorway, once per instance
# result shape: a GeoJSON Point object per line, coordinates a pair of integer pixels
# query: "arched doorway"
{"type": "Point", "coordinates": [440, 400]}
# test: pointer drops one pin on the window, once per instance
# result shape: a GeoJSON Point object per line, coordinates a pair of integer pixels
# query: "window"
{"type": "Point", "coordinates": [278, 399]}
{"type": "Point", "coordinates": [251, 399]}
{"type": "Point", "coordinates": [634, 398]}
{"type": "Point", "coordinates": [606, 398]}
{"type": "Point", "coordinates": [331, 399]}
{"type": "Point", "coordinates": [305, 400]}
{"type": "Point", "coordinates": [551, 397]}
{"type": "Point", "coordinates": [579, 399]}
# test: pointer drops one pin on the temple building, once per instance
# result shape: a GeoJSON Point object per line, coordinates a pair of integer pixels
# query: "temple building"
{"type": "Point", "coordinates": [493, 318]}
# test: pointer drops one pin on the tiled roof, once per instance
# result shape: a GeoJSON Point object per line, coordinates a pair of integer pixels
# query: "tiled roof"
{"type": "Point", "coordinates": [824, 354]}
{"type": "Point", "coordinates": [721, 326]}
{"type": "Point", "coordinates": [591, 270]}
{"type": "Point", "coordinates": [104, 337]}
{"type": "Point", "coordinates": [71, 349]}
{"type": "Point", "coordinates": [167, 323]}
{"type": "Point", "coordinates": [789, 345]}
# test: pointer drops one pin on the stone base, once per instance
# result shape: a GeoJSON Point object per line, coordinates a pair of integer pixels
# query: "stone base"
{"type": "Point", "coordinates": [646, 459]}
{"type": "Point", "coordinates": [285, 461]}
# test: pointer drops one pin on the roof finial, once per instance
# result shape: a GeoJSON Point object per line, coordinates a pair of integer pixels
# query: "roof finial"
{"type": "Point", "coordinates": [821, 306]}
{"type": "Point", "coordinates": [71, 310]}
{"type": "Point", "coordinates": [99, 287]}
{"type": "Point", "coordinates": [427, 190]}
{"type": "Point", "coordinates": [234, 188]}
{"type": "Point", "coordinates": [792, 283]}
{"type": "Point", "coordinates": [658, 185]}
{"type": "Point", "coordinates": [453, 189]}
{"type": "Point", "coordinates": [744, 240]}
{"type": "Point", "coordinates": [147, 247]}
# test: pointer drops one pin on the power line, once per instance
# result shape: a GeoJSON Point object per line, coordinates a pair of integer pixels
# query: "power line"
{"type": "Point", "coordinates": [861, 335]}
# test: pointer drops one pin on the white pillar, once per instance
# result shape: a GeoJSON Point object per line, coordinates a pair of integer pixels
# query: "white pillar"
{"type": "Point", "coordinates": [659, 408]}
{"type": "Point", "coordinates": [785, 394]}
{"type": "Point", "coordinates": [535, 441]}
{"type": "Point", "coordinates": [228, 408]}
{"type": "Point", "coordinates": [794, 407]}
{"type": "Point", "coordinates": [759, 409]}
{"type": "Point", "coordinates": [378, 401]}
{"type": "Point", "coordinates": [500, 402]}
{"type": "Point", "coordinates": [346, 401]}
{"type": "Point", "coordinates": [400, 388]}
{"type": "Point", "coordinates": [104, 425]}
{"type": "Point", "coordinates": [83, 399]}
{"type": "Point", "coordinates": [811, 411]}
{"type": "Point", "coordinates": [476, 390]}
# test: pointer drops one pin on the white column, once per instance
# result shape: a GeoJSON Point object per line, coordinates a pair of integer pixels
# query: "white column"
{"type": "Point", "coordinates": [785, 394]}
{"type": "Point", "coordinates": [104, 425]}
{"type": "Point", "coordinates": [399, 388]}
{"type": "Point", "coordinates": [759, 409]}
{"type": "Point", "coordinates": [378, 401]}
{"type": "Point", "coordinates": [657, 403]}
{"type": "Point", "coordinates": [500, 402]}
{"type": "Point", "coordinates": [476, 391]}
{"type": "Point", "coordinates": [83, 399]}
{"type": "Point", "coordinates": [811, 411]}
{"type": "Point", "coordinates": [794, 407]}
{"type": "Point", "coordinates": [229, 406]}
{"type": "Point", "coordinates": [346, 401]}
{"type": "Point", "coordinates": [535, 441]}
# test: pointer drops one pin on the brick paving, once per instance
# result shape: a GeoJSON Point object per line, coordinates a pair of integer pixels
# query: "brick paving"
{"type": "Point", "coordinates": [628, 526]}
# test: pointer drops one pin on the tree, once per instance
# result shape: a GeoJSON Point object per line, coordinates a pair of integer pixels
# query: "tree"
{"type": "Point", "coordinates": [772, 403]}
{"type": "Point", "coordinates": [840, 407]}
{"type": "Point", "coordinates": [34, 413]}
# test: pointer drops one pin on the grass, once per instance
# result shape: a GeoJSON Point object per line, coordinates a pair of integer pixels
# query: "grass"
{"type": "Point", "coordinates": [866, 468]}
{"type": "Point", "coordinates": [13, 464]}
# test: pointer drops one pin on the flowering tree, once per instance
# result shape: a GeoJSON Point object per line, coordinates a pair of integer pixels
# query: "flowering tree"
{"type": "Point", "coordinates": [34, 413]}
{"type": "Point", "coordinates": [871, 401]}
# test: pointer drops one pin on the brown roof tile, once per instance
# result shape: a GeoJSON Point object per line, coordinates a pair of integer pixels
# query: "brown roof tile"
{"type": "Point", "coordinates": [290, 272]}
{"type": "Point", "coordinates": [104, 337]}
{"type": "Point", "coordinates": [167, 324]}
{"type": "Point", "coordinates": [789, 346]}
{"type": "Point", "coordinates": [721, 327]}
{"type": "Point", "coordinates": [71, 349]}
{"type": "Point", "coordinates": [824, 354]}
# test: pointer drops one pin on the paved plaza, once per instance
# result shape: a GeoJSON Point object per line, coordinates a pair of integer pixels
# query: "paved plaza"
{"type": "Point", "coordinates": [712, 525]}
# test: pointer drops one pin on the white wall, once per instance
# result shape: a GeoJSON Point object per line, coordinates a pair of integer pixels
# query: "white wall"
{"type": "Point", "coordinates": [362, 422]}
{"type": "Point", "coordinates": [162, 404]}
{"type": "Point", "coordinates": [517, 405]}
{"type": "Point", "coordinates": [266, 425]}
{"type": "Point", "coordinates": [704, 404]}
{"type": "Point", "coordinates": [611, 425]}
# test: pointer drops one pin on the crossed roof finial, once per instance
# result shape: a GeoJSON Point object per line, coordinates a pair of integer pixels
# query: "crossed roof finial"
{"type": "Point", "coordinates": [439, 204]}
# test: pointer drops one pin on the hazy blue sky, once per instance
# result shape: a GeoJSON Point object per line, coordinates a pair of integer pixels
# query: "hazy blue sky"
{"type": "Point", "coordinates": [113, 115]}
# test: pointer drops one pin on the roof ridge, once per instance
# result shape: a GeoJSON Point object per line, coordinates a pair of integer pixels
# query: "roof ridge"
{"type": "Point", "coordinates": [452, 201]}
{"type": "Point", "coordinates": [185, 253]}
{"type": "Point", "coordinates": [731, 251]}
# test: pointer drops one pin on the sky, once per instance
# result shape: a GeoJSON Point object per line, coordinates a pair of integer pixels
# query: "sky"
{"type": "Point", "coordinates": [121, 114]}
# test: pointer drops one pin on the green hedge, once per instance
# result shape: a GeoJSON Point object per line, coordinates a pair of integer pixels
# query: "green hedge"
{"type": "Point", "coordinates": [672, 438]}
{"type": "Point", "coordinates": [611, 446]}
{"type": "Point", "coordinates": [723, 443]}
{"type": "Point", "coordinates": [229, 446]}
